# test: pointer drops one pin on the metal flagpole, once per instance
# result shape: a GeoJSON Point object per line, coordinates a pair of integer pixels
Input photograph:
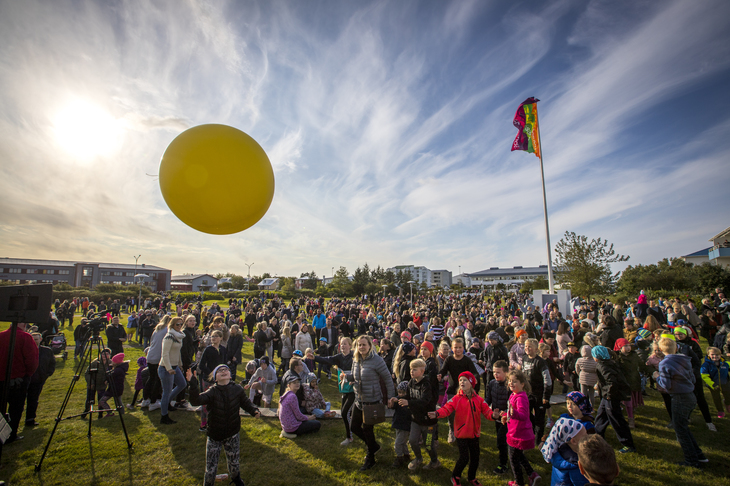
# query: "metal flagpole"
{"type": "Point", "coordinates": [544, 205]}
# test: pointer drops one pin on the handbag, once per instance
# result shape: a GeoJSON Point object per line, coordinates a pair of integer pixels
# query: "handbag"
{"type": "Point", "coordinates": [5, 429]}
{"type": "Point", "coordinates": [372, 413]}
{"type": "Point", "coordinates": [344, 386]}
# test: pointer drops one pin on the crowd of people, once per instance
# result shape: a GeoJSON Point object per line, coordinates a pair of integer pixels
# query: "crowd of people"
{"type": "Point", "coordinates": [453, 357]}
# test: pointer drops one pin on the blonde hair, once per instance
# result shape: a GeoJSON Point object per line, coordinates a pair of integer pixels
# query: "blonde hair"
{"type": "Point", "coordinates": [444, 346]}
{"type": "Point", "coordinates": [418, 363]}
{"type": "Point", "coordinates": [173, 321]}
{"type": "Point", "coordinates": [667, 346]}
{"type": "Point", "coordinates": [345, 338]}
{"type": "Point", "coordinates": [356, 355]}
{"type": "Point", "coordinates": [713, 349]}
{"type": "Point", "coordinates": [235, 330]}
{"type": "Point", "coordinates": [163, 323]}
{"type": "Point", "coordinates": [533, 342]}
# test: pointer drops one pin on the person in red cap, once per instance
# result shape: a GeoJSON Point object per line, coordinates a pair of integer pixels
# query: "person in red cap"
{"type": "Point", "coordinates": [467, 406]}
{"type": "Point", "coordinates": [630, 364]}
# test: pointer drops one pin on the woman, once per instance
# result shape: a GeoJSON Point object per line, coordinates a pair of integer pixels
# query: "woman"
{"type": "Point", "coordinates": [563, 338]}
{"type": "Point", "coordinates": [287, 349]}
{"type": "Point", "coordinates": [368, 371]}
{"type": "Point", "coordinates": [303, 339]}
{"type": "Point", "coordinates": [170, 367]}
{"type": "Point", "coordinates": [343, 361]}
{"type": "Point", "coordinates": [261, 340]}
{"type": "Point", "coordinates": [154, 355]}
{"type": "Point", "coordinates": [212, 356]}
{"type": "Point", "coordinates": [235, 343]}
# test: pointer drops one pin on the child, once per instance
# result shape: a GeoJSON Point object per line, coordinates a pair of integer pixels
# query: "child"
{"type": "Point", "coordinates": [444, 352]}
{"type": "Point", "coordinates": [597, 460]}
{"type": "Point", "coordinates": [569, 374]}
{"type": "Point", "coordinates": [520, 435]}
{"type": "Point", "coordinates": [677, 377]}
{"type": "Point", "coordinates": [314, 401]}
{"type": "Point", "coordinates": [115, 382]}
{"type": "Point", "coordinates": [96, 379]}
{"type": "Point", "coordinates": [402, 426]}
{"type": "Point", "coordinates": [580, 409]}
{"type": "Point", "coordinates": [309, 359]}
{"type": "Point", "coordinates": [613, 390]}
{"type": "Point", "coordinates": [630, 364]}
{"type": "Point", "coordinates": [466, 406]}
{"type": "Point", "coordinates": [453, 366]}
{"type": "Point", "coordinates": [715, 375]}
{"type": "Point", "coordinates": [537, 375]}
{"type": "Point", "coordinates": [420, 400]}
{"type": "Point", "coordinates": [545, 351]}
{"type": "Point", "coordinates": [139, 381]}
{"type": "Point", "coordinates": [293, 421]}
{"type": "Point", "coordinates": [586, 369]}
{"type": "Point", "coordinates": [223, 400]}
{"type": "Point", "coordinates": [323, 351]}
{"type": "Point", "coordinates": [517, 351]}
{"type": "Point", "coordinates": [263, 380]}
{"type": "Point", "coordinates": [497, 397]}
{"type": "Point", "coordinates": [652, 364]}
{"type": "Point", "coordinates": [561, 450]}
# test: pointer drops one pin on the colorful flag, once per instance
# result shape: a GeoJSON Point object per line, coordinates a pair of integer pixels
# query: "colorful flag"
{"type": "Point", "coordinates": [528, 137]}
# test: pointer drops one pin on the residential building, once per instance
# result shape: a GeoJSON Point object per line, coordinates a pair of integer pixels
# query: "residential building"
{"type": "Point", "coordinates": [698, 257]}
{"type": "Point", "coordinates": [509, 277]}
{"type": "Point", "coordinates": [719, 254]}
{"type": "Point", "coordinates": [269, 284]}
{"type": "Point", "coordinates": [299, 283]}
{"type": "Point", "coordinates": [82, 274]}
{"type": "Point", "coordinates": [419, 274]}
{"type": "Point", "coordinates": [441, 278]}
{"type": "Point", "coordinates": [194, 282]}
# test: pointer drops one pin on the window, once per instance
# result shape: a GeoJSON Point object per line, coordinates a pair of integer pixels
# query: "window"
{"type": "Point", "coordinates": [117, 274]}
{"type": "Point", "coordinates": [31, 281]}
{"type": "Point", "coordinates": [30, 270]}
{"type": "Point", "coordinates": [88, 271]}
{"type": "Point", "coordinates": [104, 274]}
{"type": "Point", "coordinates": [205, 282]}
{"type": "Point", "coordinates": [63, 272]}
{"type": "Point", "coordinates": [13, 270]}
{"type": "Point", "coordinates": [117, 282]}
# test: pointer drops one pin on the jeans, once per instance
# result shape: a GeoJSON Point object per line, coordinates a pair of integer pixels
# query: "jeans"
{"type": "Point", "coordinates": [319, 413]}
{"type": "Point", "coordinates": [167, 380]}
{"type": "Point", "coordinates": [308, 427]}
{"type": "Point", "coordinates": [418, 432]}
{"type": "Point", "coordinates": [682, 406]}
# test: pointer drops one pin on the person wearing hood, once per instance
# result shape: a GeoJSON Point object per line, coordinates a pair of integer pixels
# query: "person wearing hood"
{"type": "Point", "coordinates": [676, 376]}
{"type": "Point", "coordinates": [561, 450]}
{"type": "Point", "coordinates": [613, 390]}
{"type": "Point", "coordinates": [170, 368]}
{"type": "Point", "coordinates": [495, 351]}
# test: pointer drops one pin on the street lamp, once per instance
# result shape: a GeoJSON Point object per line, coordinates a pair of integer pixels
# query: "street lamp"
{"type": "Point", "coordinates": [411, 282]}
{"type": "Point", "coordinates": [135, 272]}
{"type": "Point", "coordinates": [333, 272]}
{"type": "Point", "coordinates": [248, 282]}
{"type": "Point", "coordinates": [140, 275]}
{"type": "Point", "coordinates": [385, 286]}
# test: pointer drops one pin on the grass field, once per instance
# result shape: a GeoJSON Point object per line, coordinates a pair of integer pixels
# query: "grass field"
{"type": "Point", "coordinates": [175, 454]}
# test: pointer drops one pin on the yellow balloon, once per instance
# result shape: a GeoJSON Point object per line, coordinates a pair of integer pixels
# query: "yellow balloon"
{"type": "Point", "coordinates": [216, 179]}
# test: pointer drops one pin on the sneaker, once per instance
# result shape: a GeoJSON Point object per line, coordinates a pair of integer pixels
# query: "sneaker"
{"type": "Point", "coordinates": [500, 469]}
{"type": "Point", "coordinates": [221, 477]}
{"type": "Point", "coordinates": [144, 403]}
{"type": "Point", "coordinates": [433, 465]}
{"type": "Point", "coordinates": [287, 435]}
{"type": "Point", "coordinates": [475, 482]}
{"type": "Point", "coordinates": [155, 406]}
{"type": "Point", "coordinates": [452, 439]}
{"type": "Point", "coordinates": [399, 461]}
{"type": "Point", "coordinates": [346, 442]}
{"type": "Point", "coordinates": [534, 478]}
{"type": "Point", "coordinates": [415, 464]}
{"type": "Point", "coordinates": [689, 464]}
{"type": "Point", "coordinates": [712, 427]}
{"type": "Point", "coordinates": [455, 481]}
{"type": "Point", "coordinates": [550, 423]}
{"type": "Point", "coordinates": [203, 428]}
{"type": "Point", "coordinates": [167, 420]}
{"type": "Point", "coordinates": [130, 406]}
{"type": "Point", "coordinates": [369, 462]}
{"type": "Point", "coordinates": [627, 450]}
{"type": "Point", "coordinates": [702, 458]}
{"type": "Point", "coordinates": [721, 415]}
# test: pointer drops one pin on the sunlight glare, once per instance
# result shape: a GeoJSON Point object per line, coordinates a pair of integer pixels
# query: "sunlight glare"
{"type": "Point", "coordinates": [85, 130]}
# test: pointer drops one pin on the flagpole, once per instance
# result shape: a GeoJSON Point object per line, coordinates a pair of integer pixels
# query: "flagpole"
{"type": "Point", "coordinates": [544, 205]}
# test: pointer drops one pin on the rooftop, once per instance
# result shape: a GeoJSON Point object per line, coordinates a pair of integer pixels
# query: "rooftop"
{"type": "Point", "coordinates": [191, 277]}
{"type": "Point", "coordinates": [514, 271]}
{"type": "Point", "coordinates": [65, 263]}
{"type": "Point", "coordinates": [704, 252]}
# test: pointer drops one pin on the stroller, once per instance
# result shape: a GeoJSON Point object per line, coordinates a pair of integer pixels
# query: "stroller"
{"type": "Point", "coordinates": [57, 343]}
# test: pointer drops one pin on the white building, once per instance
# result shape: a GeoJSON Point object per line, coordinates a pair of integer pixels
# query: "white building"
{"type": "Point", "coordinates": [419, 274]}
{"type": "Point", "coordinates": [509, 277]}
{"type": "Point", "coordinates": [441, 278]}
{"type": "Point", "coordinates": [269, 284]}
{"type": "Point", "coordinates": [720, 252]}
{"type": "Point", "coordinates": [194, 282]}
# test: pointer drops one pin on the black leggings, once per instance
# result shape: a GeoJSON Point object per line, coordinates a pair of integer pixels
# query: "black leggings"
{"type": "Point", "coordinates": [348, 399]}
{"type": "Point", "coordinates": [363, 431]}
{"type": "Point", "coordinates": [468, 453]}
{"type": "Point", "coordinates": [518, 460]}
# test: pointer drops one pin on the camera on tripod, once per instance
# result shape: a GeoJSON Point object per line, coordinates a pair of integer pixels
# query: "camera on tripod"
{"type": "Point", "coordinates": [97, 322]}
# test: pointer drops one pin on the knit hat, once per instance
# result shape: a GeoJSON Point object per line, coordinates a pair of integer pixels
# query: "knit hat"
{"type": "Point", "coordinates": [403, 386]}
{"type": "Point", "coordinates": [251, 365]}
{"type": "Point", "coordinates": [584, 404]}
{"type": "Point", "coordinates": [408, 347]}
{"type": "Point", "coordinates": [561, 433]}
{"type": "Point", "coordinates": [494, 335]}
{"type": "Point", "coordinates": [600, 352]}
{"type": "Point", "coordinates": [291, 378]}
{"type": "Point", "coordinates": [264, 359]}
{"type": "Point", "coordinates": [644, 333]}
{"type": "Point", "coordinates": [405, 335]}
{"type": "Point", "coordinates": [620, 343]}
{"type": "Point", "coordinates": [312, 378]}
{"type": "Point", "coordinates": [118, 358]}
{"type": "Point", "coordinates": [470, 377]}
{"type": "Point", "coordinates": [520, 333]}
{"type": "Point", "coordinates": [142, 361]}
{"type": "Point", "coordinates": [680, 330]}
{"type": "Point", "coordinates": [218, 368]}
{"type": "Point", "coordinates": [428, 346]}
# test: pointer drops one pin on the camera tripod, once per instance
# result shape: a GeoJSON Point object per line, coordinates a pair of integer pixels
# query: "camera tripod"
{"type": "Point", "coordinates": [94, 342]}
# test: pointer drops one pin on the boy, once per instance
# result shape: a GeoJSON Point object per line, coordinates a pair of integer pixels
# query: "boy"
{"type": "Point", "coordinates": [323, 351]}
{"type": "Point", "coordinates": [571, 377]}
{"type": "Point", "coordinates": [402, 426]}
{"type": "Point", "coordinates": [715, 375]}
{"type": "Point", "coordinates": [544, 351]}
{"type": "Point", "coordinates": [597, 460]}
{"type": "Point", "coordinates": [497, 397]}
{"type": "Point", "coordinates": [538, 376]}
{"type": "Point", "coordinates": [420, 401]}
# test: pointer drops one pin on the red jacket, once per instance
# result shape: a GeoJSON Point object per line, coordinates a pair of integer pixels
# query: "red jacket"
{"type": "Point", "coordinates": [467, 420]}
{"type": "Point", "coordinates": [25, 358]}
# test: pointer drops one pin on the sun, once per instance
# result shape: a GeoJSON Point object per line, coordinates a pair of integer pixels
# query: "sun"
{"type": "Point", "coordinates": [85, 130]}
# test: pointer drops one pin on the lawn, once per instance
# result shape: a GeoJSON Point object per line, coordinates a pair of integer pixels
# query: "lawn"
{"type": "Point", "coordinates": [175, 454]}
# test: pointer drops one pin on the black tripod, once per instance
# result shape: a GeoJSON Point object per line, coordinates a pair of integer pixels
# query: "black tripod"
{"type": "Point", "coordinates": [94, 341]}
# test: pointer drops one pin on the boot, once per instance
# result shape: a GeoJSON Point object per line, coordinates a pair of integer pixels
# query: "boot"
{"type": "Point", "coordinates": [398, 462]}
{"type": "Point", "coordinates": [369, 462]}
{"type": "Point", "coordinates": [167, 420]}
{"type": "Point", "coordinates": [237, 481]}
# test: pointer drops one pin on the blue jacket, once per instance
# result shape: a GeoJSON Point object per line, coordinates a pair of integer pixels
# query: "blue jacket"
{"type": "Point", "coordinates": [676, 375]}
{"type": "Point", "coordinates": [319, 321]}
{"type": "Point", "coordinates": [565, 468]}
{"type": "Point", "coordinates": [714, 375]}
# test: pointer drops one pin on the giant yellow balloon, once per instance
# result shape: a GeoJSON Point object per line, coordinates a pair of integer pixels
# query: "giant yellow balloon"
{"type": "Point", "coordinates": [216, 179]}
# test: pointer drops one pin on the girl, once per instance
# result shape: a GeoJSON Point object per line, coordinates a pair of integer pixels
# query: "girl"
{"type": "Point", "coordinates": [580, 409]}
{"type": "Point", "coordinates": [586, 369]}
{"type": "Point", "coordinates": [115, 382]}
{"type": "Point", "coordinates": [715, 375]}
{"type": "Point", "coordinates": [401, 363]}
{"type": "Point", "coordinates": [561, 450]}
{"type": "Point", "coordinates": [170, 368]}
{"type": "Point", "coordinates": [293, 422]}
{"type": "Point", "coordinates": [235, 343]}
{"type": "Point", "coordinates": [520, 435]}
{"type": "Point", "coordinates": [287, 348]}
{"type": "Point", "coordinates": [467, 406]}
{"type": "Point", "coordinates": [630, 364]}
{"type": "Point", "coordinates": [223, 401]}
{"type": "Point", "coordinates": [214, 355]}
{"type": "Point", "coordinates": [517, 351]}
{"type": "Point", "coordinates": [453, 366]}
{"type": "Point", "coordinates": [343, 361]}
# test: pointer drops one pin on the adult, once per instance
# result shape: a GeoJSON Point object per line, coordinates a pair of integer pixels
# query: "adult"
{"type": "Point", "coordinates": [46, 367]}
{"type": "Point", "coordinates": [25, 362]}
{"type": "Point", "coordinates": [154, 355]}
{"type": "Point", "coordinates": [303, 339]}
{"type": "Point", "coordinates": [261, 340]}
{"type": "Point", "coordinates": [343, 361]}
{"type": "Point", "coordinates": [212, 356]}
{"type": "Point", "coordinates": [170, 368]}
{"type": "Point", "coordinates": [319, 322]}
{"type": "Point", "coordinates": [610, 331]}
{"type": "Point", "coordinates": [235, 343]}
{"type": "Point", "coordinates": [613, 389]}
{"type": "Point", "coordinates": [115, 336]}
{"type": "Point", "coordinates": [368, 372]}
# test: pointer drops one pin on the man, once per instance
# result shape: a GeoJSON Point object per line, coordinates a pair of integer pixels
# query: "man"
{"type": "Point", "coordinates": [115, 335]}
{"type": "Point", "coordinates": [319, 322]}
{"type": "Point", "coordinates": [25, 362]}
{"type": "Point", "coordinates": [46, 367]}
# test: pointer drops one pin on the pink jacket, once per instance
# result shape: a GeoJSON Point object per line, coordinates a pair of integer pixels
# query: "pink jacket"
{"type": "Point", "coordinates": [519, 428]}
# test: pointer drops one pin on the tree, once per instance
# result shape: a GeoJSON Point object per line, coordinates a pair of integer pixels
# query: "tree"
{"type": "Point", "coordinates": [311, 282]}
{"type": "Point", "coordinates": [584, 266]}
{"type": "Point", "coordinates": [538, 283]}
{"type": "Point", "coordinates": [667, 274]}
{"type": "Point", "coordinates": [341, 284]}
{"type": "Point", "coordinates": [360, 279]}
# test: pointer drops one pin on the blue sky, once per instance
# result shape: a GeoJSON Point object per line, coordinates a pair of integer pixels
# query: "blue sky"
{"type": "Point", "coordinates": [389, 126]}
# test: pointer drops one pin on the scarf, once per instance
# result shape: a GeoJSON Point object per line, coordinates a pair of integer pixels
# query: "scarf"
{"type": "Point", "coordinates": [564, 430]}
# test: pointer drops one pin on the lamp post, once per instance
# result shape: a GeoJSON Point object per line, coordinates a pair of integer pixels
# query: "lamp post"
{"type": "Point", "coordinates": [384, 287]}
{"type": "Point", "coordinates": [140, 275]}
{"type": "Point", "coordinates": [411, 282]}
{"type": "Point", "coordinates": [248, 282]}
{"type": "Point", "coordinates": [333, 272]}
{"type": "Point", "coordinates": [136, 259]}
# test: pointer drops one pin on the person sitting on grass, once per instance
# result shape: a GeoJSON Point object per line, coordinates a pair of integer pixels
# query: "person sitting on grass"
{"type": "Point", "coordinates": [294, 422]}
{"type": "Point", "coordinates": [314, 401]}
{"type": "Point", "coordinates": [597, 460]}
{"type": "Point", "coordinates": [222, 400]}
{"type": "Point", "coordinates": [263, 381]}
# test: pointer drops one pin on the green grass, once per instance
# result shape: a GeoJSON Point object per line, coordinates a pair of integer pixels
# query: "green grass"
{"type": "Point", "coordinates": [175, 455]}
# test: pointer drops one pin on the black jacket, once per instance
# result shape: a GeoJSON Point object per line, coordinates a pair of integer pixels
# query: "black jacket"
{"type": "Point", "coordinates": [497, 395]}
{"type": "Point", "coordinates": [611, 382]}
{"type": "Point", "coordinates": [210, 359]}
{"type": "Point", "coordinates": [189, 347]}
{"type": "Point", "coordinates": [492, 354]}
{"type": "Point", "coordinates": [610, 335]}
{"type": "Point", "coordinates": [223, 403]}
{"type": "Point", "coordinates": [534, 370]}
{"type": "Point", "coordinates": [420, 401]}
{"type": "Point", "coordinates": [234, 345]}
{"type": "Point", "coordinates": [46, 365]}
